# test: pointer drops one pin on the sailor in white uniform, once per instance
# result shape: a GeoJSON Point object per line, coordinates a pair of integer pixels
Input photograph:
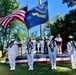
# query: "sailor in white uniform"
{"type": "Point", "coordinates": [42, 45]}
{"type": "Point", "coordinates": [12, 54]}
{"type": "Point", "coordinates": [30, 54]}
{"type": "Point", "coordinates": [52, 52]}
{"type": "Point", "coordinates": [34, 45]}
{"type": "Point", "coordinates": [71, 47]}
{"type": "Point", "coordinates": [38, 46]}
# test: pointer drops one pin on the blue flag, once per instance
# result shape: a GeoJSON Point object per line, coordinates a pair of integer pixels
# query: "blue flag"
{"type": "Point", "coordinates": [37, 15]}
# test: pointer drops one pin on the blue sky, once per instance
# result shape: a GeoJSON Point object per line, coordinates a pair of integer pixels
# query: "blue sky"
{"type": "Point", "coordinates": [54, 7]}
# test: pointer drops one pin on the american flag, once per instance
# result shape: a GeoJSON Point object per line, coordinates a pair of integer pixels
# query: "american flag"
{"type": "Point", "coordinates": [19, 14]}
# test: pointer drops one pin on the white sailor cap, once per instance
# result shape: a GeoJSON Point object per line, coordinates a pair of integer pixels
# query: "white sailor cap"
{"type": "Point", "coordinates": [70, 37]}
{"type": "Point", "coordinates": [12, 40]}
{"type": "Point", "coordinates": [51, 37]}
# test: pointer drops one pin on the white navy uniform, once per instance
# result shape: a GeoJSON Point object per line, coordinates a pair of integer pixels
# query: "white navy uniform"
{"type": "Point", "coordinates": [42, 46]}
{"type": "Point", "coordinates": [52, 52]}
{"type": "Point", "coordinates": [38, 46]}
{"type": "Point", "coordinates": [30, 55]}
{"type": "Point", "coordinates": [12, 53]}
{"type": "Point", "coordinates": [34, 45]}
{"type": "Point", "coordinates": [72, 52]}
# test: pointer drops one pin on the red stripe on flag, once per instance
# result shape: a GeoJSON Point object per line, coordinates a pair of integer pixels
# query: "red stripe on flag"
{"type": "Point", "coordinates": [8, 22]}
{"type": "Point", "coordinates": [20, 14]}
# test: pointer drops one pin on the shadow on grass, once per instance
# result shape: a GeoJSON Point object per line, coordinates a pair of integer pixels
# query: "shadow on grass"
{"type": "Point", "coordinates": [63, 68]}
{"type": "Point", "coordinates": [64, 64]}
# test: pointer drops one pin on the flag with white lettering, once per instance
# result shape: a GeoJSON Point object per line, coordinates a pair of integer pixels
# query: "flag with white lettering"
{"type": "Point", "coordinates": [37, 15]}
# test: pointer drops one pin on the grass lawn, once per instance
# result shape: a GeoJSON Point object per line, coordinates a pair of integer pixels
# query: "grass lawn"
{"type": "Point", "coordinates": [63, 68]}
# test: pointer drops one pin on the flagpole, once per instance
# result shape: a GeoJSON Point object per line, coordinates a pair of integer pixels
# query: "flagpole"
{"type": "Point", "coordinates": [49, 27]}
{"type": "Point", "coordinates": [41, 29]}
{"type": "Point", "coordinates": [28, 33]}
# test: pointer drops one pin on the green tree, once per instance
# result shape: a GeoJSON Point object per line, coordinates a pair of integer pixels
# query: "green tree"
{"type": "Point", "coordinates": [70, 3]}
{"type": "Point", "coordinates": [69, 24]}
{"type": "Point", "coordinates": [48, 29]}
{"type": "Point", "coordinates": [54, 25]}
{"type": "Point", "coordinates": [20, 32]}
{"type": "Point", "coordinates": [6, 8]}
{"type": "Point", "coordinates": [63, 25]}
{"type": "Point", "coordinates": [33, 35]}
